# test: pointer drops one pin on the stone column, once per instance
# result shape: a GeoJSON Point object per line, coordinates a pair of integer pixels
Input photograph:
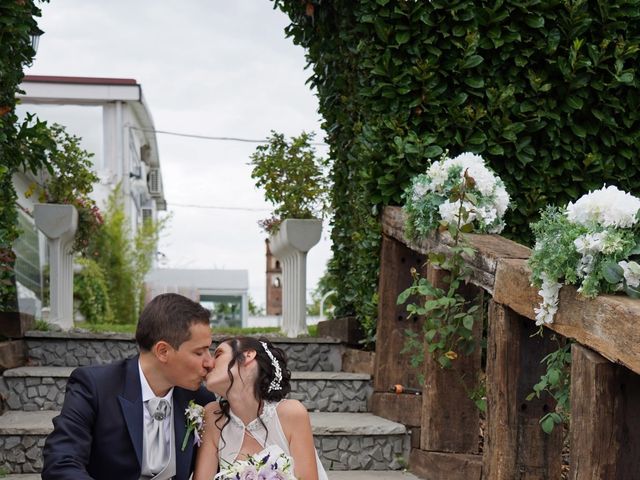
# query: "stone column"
{"type": "Point", "coordinates": [59, 223]}
{"type": "Point", "coordinates": [291, 244]}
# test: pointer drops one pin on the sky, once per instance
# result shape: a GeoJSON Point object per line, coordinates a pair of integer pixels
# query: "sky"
{"type": "Point", "coordinates": [207, 67]}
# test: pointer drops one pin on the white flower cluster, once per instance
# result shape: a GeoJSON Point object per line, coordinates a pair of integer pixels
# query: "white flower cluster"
{"type": "Point", "coordinates": [485, 206]}
{"type": "Point", "coordinates": [550, 293]}
{"type": "Point", "coordinates": [607, 207]}
{"type": "Point", "coordinates": [601, 225]}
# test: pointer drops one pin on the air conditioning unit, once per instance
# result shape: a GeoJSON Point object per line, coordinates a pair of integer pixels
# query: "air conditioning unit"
{"type": "Point", "coordinates": [154, 181]}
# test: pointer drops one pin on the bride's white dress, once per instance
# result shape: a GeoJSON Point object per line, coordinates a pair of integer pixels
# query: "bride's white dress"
{"type": "Point", "coordinates": [234, 432]}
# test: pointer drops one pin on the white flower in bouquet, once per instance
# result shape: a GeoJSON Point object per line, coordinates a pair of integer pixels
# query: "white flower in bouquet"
{"type": "Point", "coordinates": [434, 198]}
{"type": "Point", "coordinates": [271, 465]}
{"type": "Point", "coordinates": [607, 207]}
{"type": "Point", "coordinates": [592, 243]}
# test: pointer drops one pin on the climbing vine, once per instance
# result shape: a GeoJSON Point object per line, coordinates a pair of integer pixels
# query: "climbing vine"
{"type": "Point", "coordinates": [546, 91]}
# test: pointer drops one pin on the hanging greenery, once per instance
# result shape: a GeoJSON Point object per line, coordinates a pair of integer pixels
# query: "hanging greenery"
{"type": "Point", "coordinates": [546, 91]}
{"type": "Point", "coordinates": [22, 145]}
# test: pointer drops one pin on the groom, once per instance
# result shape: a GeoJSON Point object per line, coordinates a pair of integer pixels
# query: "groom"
{"type": "Point", "coordinates": [125, 420]}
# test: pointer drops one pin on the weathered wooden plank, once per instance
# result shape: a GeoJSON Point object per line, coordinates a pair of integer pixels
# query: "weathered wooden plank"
{"type": "Point", "coordinates": [391, 366]}
{"type": "Point", "coordinates": [608, 324]}
{"type": "Point", "coordinates": [515, 446]}
{"type": "Point", "coordinates": [605, 426]}
{"type": "Point", "coordinates": [450, 419]}
{"type": "Point", "coordinates": [445, 466]}
{"type": "Point", "coordinates": [489, 248]}
{"type": "Point", "coordinates": [403, 408]}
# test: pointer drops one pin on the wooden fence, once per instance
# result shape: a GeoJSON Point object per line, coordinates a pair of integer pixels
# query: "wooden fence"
{"type": "Point", "coordinates": [605, 386]}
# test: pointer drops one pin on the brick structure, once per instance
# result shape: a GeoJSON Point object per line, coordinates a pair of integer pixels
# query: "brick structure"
{"type": "Point", "coordinates": [274, 283]}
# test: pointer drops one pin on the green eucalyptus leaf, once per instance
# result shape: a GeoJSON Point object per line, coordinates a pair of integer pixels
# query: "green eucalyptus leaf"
{"type": "Point", "coordinates": [612, 272]}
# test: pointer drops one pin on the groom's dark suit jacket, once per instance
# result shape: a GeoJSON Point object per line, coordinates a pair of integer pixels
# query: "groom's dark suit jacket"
{"type": "Point", "coordinates": [98, 434]}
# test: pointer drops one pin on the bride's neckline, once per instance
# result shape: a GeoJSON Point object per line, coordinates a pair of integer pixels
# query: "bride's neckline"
{"type": "Point", "coordinates": [268, 411]}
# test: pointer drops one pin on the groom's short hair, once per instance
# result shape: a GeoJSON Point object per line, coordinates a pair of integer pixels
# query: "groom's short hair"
{"type": "Point", "coordinates": [168, 317]}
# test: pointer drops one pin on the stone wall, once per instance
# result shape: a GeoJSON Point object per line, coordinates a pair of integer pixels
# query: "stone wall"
{"type": "Point", "coordinates": [65, 349]}
{"type": "Point", "coordinates": [21, 453]}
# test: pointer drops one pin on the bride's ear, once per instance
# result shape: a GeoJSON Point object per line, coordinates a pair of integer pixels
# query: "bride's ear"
{"type": "Point", "coordinates": [249, 356]}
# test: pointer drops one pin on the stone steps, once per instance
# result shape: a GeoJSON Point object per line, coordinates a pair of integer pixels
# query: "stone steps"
{"type": "Point", "coordinates": [345, 441]}
{"type": "Point", "coordinates": [42, 388]}
{"type": "Point", "coordinates": [74, 349]}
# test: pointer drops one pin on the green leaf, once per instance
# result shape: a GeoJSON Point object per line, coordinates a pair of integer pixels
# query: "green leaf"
{"type": "Point", "coordinates": [433, 151]}
{"type": "Point", "coordinates": [612, 272]}
{"type": "Point", "coordinates": [402, 298]}
{"type": "Point", "coordinates": [474, 82]}
{"type": "Point", "coordinates": [547, 424]}
{"type": "Point", "coordinates": [402, 37]}
{"type": "Point", "coordinates": [468, 322]}
{"type": "Point", "coordinates": [534, 22]}
{"type": "Point", "coordinates": [472, 61]}
{"type": "Point", "coordinates": [633, 292]}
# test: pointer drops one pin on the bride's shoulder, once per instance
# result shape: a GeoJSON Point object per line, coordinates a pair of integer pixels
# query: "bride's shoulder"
{"type": "Point", "coordinates": [291, 409]}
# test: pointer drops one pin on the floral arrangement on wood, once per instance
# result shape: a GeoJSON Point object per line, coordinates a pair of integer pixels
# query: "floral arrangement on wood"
{"type": "Point", "coordinates": [434, 199]}
{"type": "Point", "coordinates": [593, 243]}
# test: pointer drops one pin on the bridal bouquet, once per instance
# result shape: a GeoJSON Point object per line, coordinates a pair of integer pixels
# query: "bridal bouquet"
{"type": "Point", "coordinates": [593, 243]}
{"type": "Point", "coordinates": [437, 198]}
{"type": "Point", "coordinates": [270, 466]}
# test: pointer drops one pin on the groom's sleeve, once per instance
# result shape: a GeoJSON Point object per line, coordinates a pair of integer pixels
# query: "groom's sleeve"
{"type": "Point", "coordinates": [67, 449]}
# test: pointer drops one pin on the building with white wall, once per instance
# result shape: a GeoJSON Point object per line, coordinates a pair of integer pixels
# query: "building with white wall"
{"type": "Point", "coordinates": [224, 292]}
{"type": "Point", "coordinates": [115, 124]}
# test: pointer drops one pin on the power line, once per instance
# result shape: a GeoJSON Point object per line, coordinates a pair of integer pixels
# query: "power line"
{"type": "Point", "coordinates": [217, 207]}
{"type": "Point", "coordinates": [209, 137]}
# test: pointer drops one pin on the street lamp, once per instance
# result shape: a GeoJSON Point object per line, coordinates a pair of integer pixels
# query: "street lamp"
{"type": "Point", "coordinates": [35, 38]}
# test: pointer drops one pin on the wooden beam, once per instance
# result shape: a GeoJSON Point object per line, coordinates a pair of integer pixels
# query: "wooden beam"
{"type": "Point", "coordinates": [607, 324]}
{"type": "Point", "coordinates": [402, 408]}
{"type": "Point", "coordinates": [605, 426]}
{"type": "Point", "coordinates": [515, 445]}
{"type": "Point", "coordinates": [489, 248]}
{"type": "Point", "coordinates": [449, 466]}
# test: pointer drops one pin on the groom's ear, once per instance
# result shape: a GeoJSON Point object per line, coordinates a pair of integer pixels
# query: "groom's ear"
{"type": "Point", "coordinates": [161, 350]}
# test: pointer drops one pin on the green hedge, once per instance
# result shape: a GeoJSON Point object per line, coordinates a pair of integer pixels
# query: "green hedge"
{"type": "Point", "coordinates": [546, 91]}
{"type": "Point", "coordinates": [20, 146]}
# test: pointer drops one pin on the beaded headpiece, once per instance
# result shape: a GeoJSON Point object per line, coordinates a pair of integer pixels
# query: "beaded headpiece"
{"type": "Point", "coordinates": [275, 383]}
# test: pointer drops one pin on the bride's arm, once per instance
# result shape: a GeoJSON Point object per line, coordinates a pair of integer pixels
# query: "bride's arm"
{"type": "Point", "coordinates": [207, 456]}
{"type": "Point", "coordinates": [297, 428]}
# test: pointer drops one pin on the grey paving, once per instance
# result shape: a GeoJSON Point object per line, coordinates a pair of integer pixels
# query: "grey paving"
{"type": "Point", "coordinates": [353, 424]}
{"type": "Point", "coordinates": [18, 422]}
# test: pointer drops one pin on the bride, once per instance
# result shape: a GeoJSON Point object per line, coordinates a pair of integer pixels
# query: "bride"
{"type": "Point", "coordinates": [252, 416]}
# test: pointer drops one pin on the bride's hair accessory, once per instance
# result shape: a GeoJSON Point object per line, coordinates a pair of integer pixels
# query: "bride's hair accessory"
{"type": "Point", "coordinates": [275, 383]}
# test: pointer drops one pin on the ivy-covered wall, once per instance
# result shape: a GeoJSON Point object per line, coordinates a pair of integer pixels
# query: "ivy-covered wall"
{"type": "Point", "coordinates": [547, 91]}
{"type": "Point", "coordinates": [19, 144]}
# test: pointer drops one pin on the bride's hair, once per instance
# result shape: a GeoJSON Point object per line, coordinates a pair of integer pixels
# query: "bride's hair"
{"type": "Point", "coordinates": [273, 379]}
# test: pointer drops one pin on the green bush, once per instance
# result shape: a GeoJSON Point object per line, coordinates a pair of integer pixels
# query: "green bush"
{"type": "Point", "coordinates": [546, 91]}
{"type": "Point", "coordinates": [91, 291]}
{"type": "Point", "coordinates": [124, 258]}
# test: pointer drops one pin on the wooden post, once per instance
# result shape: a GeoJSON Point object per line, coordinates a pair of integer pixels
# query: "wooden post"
{"type": "Point", "coordinates": [391, 366]}
{"type": "Point", "coordinates": [605, 425]}
{"type": "Point", "coordinates": [515, 446]}
{"type": "Point", "coordinates": [450, 419]}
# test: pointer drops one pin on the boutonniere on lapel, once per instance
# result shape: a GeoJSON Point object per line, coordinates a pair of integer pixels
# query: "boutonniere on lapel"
{"type": "Point", "coordinates": [195, 423]}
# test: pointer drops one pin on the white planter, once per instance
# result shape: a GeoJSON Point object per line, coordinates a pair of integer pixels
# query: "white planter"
{"type": "Point", "coordinates": [290, 245]}
{"type": "Point", "coordinates": [59, 224]}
